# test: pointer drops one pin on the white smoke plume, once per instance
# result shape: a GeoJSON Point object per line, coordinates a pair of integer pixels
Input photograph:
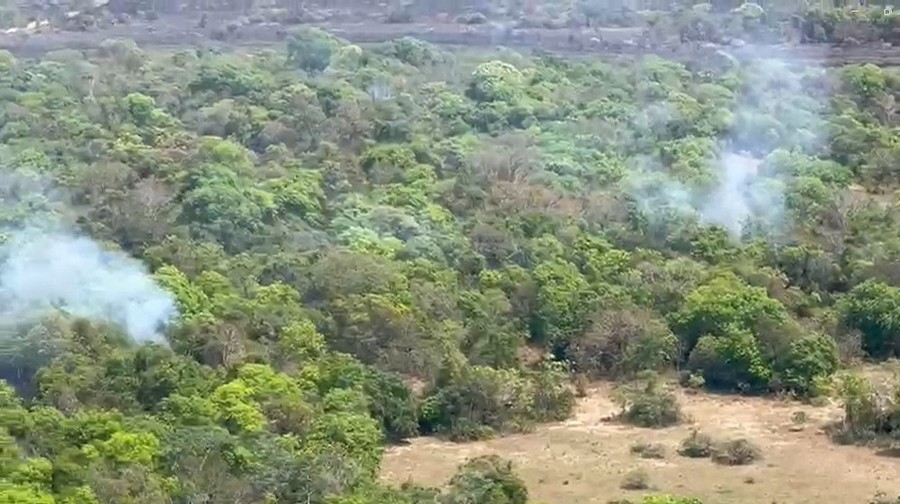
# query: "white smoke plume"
{"type": "Point", "coordinates": [45, 266]}
{"type": "Point", "coordinates": [742, 195]}
{"type": "Point", "coordinates": [742, 192]}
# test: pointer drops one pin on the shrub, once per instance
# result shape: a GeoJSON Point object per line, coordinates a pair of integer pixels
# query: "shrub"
{"type": "Point", "coordinates": [731, 361]}
{"type": "Point", "coordinates": [697, 445]}
{"type": "Point", "coordinates": [736, 452]}
{"type": "Point", "coordinates": [691, 381]}
{"type": "Point", "coordinates": [391, 403]}
{"type": "Point", "coordinates": [479, 401]}
{"type": "Point", "coordinates": [649, 450]}
{"type": "Point", "coordinates": [869, 415]}
{"type": "Point", "coordinates": [883, 498]}
{"type": "Point", "coordinates": [623, 342]}
{"type": "Point", "coordinates": [868, 308]}
{"type": "Point", "coordinates": [808, 359]}
{"type": "Point", "coordinates": [471, 18]}
{"type": "Point", "coordinates": [310, 49]}
{"type": "Point", "coordinates": [399, 14]}
{"type": "Point", "coordinates": [465, 431]}
{"type": "Point", "coordinates": [636, 480]}
{"type": "Point", "coordinates": [581, 383]}
{"type": "Point", "coordinates": [487, 479]}
{"type": "Point", "coordinates": [799, 418]}
{"type": "Point", "coordinates": [651, 406]}
{"type": "Point", "coordinates": [550, 396]}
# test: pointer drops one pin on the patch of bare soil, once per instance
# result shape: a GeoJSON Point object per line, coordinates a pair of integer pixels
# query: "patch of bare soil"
{"type": "Point", "coordinates": [585, 459]}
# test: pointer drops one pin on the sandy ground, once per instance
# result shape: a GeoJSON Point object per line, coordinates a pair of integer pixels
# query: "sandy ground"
{"type": "Point", "coordinates": [584, 460]}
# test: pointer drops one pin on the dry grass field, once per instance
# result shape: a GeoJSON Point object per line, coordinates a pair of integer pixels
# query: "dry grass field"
{"type": "Point", "coordinates": [585, 459]}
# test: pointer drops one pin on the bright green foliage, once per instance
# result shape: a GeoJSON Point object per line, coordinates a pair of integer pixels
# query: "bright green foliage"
{"type": "Point", "coordinates": [874, 308]}
{"type": "Point", "coordinates": [356, 435]}
{"type": "Point", "coordinates": [236, 407]}
{"type": "Point", "coordinates": [131, 448]}
{"type": "Point", "coordinates": [730, 360]}
{"type": "Point", "coordinates": [563, 300]}
{"type": "Point", "coordinates": [477, 402]}
{"type": "Point", "coordinates": [808, 359]}
{"type": "Point", "coordinates": [724, 304]}
{"type": "Point", "coordinates": [368, 243]}
{"type": "Point", "coordinates": [23, 494]}
{"type": "Point", "coordinates": [496, 81]}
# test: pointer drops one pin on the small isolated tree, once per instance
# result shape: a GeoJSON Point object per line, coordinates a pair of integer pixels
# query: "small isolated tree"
{"type": "Point", "coordinates": [310, 49]}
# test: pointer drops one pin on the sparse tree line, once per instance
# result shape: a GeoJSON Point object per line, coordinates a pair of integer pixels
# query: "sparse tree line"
{"type": "Point", "coordinates": [660, 23]}
{"type": "Point", "coordinates": [369, 244]}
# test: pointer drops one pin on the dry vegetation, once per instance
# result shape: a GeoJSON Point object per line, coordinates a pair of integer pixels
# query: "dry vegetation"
{"type": "Point", "coordinates": [588, 459]}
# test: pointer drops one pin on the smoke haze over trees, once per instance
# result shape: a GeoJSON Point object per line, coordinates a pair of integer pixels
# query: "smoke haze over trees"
{"type": "Point", "coordinates": [232, 276]}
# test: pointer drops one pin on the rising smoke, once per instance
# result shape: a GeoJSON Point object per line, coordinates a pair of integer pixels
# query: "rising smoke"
{"type": "Point", "coordinates": [45, 266]}
{"type": "Point", "coordinates": [741, 195]}
{"type": "Point", "coordinates": [775, 111]}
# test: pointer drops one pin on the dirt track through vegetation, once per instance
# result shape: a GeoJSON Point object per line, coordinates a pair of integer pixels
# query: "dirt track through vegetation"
{"type": "Point", "coordinates": [585, 459]}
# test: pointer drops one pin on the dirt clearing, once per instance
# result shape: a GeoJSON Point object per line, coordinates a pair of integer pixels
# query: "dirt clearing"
{"type": "Point", "coordinates": [585, 459]}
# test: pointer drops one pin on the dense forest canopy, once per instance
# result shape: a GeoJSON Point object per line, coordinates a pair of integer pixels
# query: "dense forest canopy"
{"type": "Point", "coordinates": [233, 277]}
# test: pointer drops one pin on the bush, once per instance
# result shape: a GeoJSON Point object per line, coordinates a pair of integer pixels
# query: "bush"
{"type": "Point", "coordinates": [623, 342]}
{"type": "Point", "coordinates": [550, 395]}
{"type": "Point", "coordinates": [310, 49]}
{"type": "Point", "coordinates": [636, 480]}
{"type": "Point", "coordinates": [465, 431]}
{"type": "Point", "coordinates": [651, 406]}
{"type": "Point", "coordinates": [869, 415]}
{"type": "Point", "coordinates": [697, 445]}
{"type": "Point", "coordinates": [487, 479]}
{"type": "Point", "coordinates": [581, 383]}
{"type": "Point", "coordinates": [480, 402]}
{"type": "Point", "coordinates": [400, 14]}
{"type": "Point", "coordinates": [649, 450]}
{"type": "Point", "coordinates": [868, 308]}
{"type": "Point", "coordinates": [471, 18]}
{"type": "Point", "coordinates": [808, 359]}
{"type": "Point", "coordinates": [391, 403]}
{"type": "Point", "coordinates": [691, 381]}
{"type": "Point", "coordinates": [731, 361]}
{"type": "Point", "coordinates": [736, 452]}
{"type": "Point", "coordinates": [883, 498]}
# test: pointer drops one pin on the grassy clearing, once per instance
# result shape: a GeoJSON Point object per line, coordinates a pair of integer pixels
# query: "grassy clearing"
{"type": "Point", "coordinates": [588, 459]}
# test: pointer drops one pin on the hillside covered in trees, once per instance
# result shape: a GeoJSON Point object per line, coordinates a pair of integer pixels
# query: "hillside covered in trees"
{"type": "Point", "coordinates": [236, 277]}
